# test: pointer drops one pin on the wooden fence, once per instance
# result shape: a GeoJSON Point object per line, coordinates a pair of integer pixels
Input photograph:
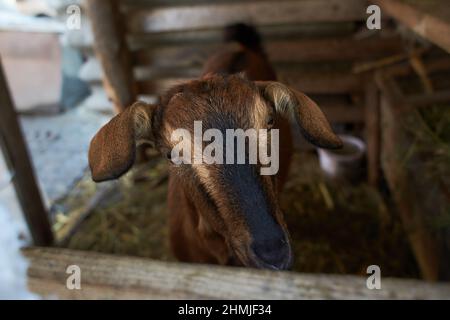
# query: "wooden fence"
{"type": "Point", "coordinates": [118, 277]}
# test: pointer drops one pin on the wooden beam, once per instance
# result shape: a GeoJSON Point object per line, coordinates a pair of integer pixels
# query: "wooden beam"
{"type": "Point", "coordinates": [140, 40]}
{"type": "Point", "coordinates": [321, 82]}
{"type": "Point", "coordinates": [372, 121]}
{"type": "Point", "coordinates": [429, 19]}
{"type": "Point", "coordinates": [14, 148]}
{"type": "Point", "coordinates": [301, 50]}
{"type": "Point", "coordinates": [112, 51]}
{"type": "Point", "coordinates": [385, 61]}
{"type": "Point", "coordinates": [417, 64]}
{"type": "Point", "coordinates": [332, 49]}
{"type": "Point", "coordinates": [395, 144]}
{"type": "Point", "coordinates": [423, 100]}
{"type": "Point", "coordinates": [343, 113]}
{"type": "Point", "coordinates": [310, 83]}
{"type": "Point", "coordinates": [158, 86]}
{"type": "Point", "coordinates": [405, 69]}
{"type": "Point", "coordinates": [338, 108]}
{"type": "Point", "coordinates": [258, 13]}
{"type": "Point", "coordinates": [141, 278]}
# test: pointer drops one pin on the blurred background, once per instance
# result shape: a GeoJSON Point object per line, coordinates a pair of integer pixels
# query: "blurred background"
{"type": "Point", "coordinates": [383, 199]}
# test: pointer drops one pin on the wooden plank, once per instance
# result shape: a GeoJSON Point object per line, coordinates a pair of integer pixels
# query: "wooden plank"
{"type": "Point", "coordinates": [338, 108]}
{"type": "Point", "coordinates": [140, 40]}
{"type": "Point", "coordinates": [405, 69]}
{"type": "Point", "coordinates": [16, 153]}
{"type": "Point", "coordinates": [334, 49]}
{"type": "Point", "coordinates": [417, 64]}
{"type": "Point", "coordinates": [257, 13]}
{"type": "Point", "coordinates": [158, 86]}
{"type": "Point", "coordinates": [395, 146]}
{"type": "Point", "coordinates": [84, 39]}
{"type": "Point", "coordinates": [112, 51]}
{"type": "Point", "coordinates": [152, 72]}
{"type": "Point", "coordinates": [427, 19]}
{"type": "Point", "coordinates": [372, 117]}
{"type": "Point", "coordinates": [343, 113]}
{"type": "Point", "coordinates": [423, 100]}
{"type": "Point", "coordinates": [142, 4]}
{"type": "Point", "coordinates": [301, 50]}
{"type": "Point", "coordinates": [386, 61]}
{"type": "Point", "coordinates": [310, 82]}
{"type": "Point", "coordinates": [321, 82]}
{"type": "Point", "coordinates": [149, 279]}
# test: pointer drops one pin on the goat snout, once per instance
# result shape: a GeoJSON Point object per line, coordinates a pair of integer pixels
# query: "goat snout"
{"type": "Point", "coordinates": [272, 253]}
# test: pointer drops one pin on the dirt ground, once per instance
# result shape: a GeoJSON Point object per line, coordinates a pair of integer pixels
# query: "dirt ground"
{"type": "Point", "coordinates": [336, 227]}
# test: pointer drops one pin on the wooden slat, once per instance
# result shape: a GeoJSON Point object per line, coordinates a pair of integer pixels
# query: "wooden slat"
{"type": "Point", "coordinates": [118, 277]}
{"type": "Point", "coordinates": [158, 86]}
{"type": "Point", "coordinates": [257, 13]}
{"type": "Point", "coordinates": [429, 19]}
{"type": "Point", "coordinates": [14, 148]}
{"type": "Point", "coordinates": [343, 113]}
{"type": "Point", "coordinates": [294, 31]}
{"type": "Point", "coordinates": [310, 83]}
{"type": "Point", "coordinates": [423, 100]}
{"type": "Point", "coordinates": [405, 69]}
{"type": "Point", "coordinates": [112, 51]}
{"type": "Point", "coordinates": [151, 72]}
{"type": "Point", "coordinates": [84, 39]}
{"type": "Point", "coordinates": [127, 5]}
{"type": "Point", "coordinates": [334, 49]}
{"type": "Point", "coordinates": [321, 82]}
{"type": "Point", "coordinates": [300, 50]}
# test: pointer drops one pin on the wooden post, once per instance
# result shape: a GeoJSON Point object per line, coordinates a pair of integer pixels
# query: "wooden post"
{"type": "Point", "coordinates": [372, 115]}
{"type": "Point", "coordinates": [394, 146]}
{"type": "Point", "coordinates": [112, 51]}
{"type": "Point", "coordinates": [13, 146]}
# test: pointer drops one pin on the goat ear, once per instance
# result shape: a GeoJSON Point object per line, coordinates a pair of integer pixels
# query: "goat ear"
{"type": "Point", "coordinates": [313, 123]}
{"type": "Point", "coordinates": [113, 149]}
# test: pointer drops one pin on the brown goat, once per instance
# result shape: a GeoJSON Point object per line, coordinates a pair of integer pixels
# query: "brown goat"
{"type": "Point", "coordinates": [219, 213]}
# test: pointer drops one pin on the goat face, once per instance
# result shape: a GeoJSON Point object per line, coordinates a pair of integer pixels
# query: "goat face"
{"type": "Point", "coordinates": [234, 200]}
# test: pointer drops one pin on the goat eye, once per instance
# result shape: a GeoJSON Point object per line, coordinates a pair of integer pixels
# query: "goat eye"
{"type": "Point", "coordinates": [270, 121]}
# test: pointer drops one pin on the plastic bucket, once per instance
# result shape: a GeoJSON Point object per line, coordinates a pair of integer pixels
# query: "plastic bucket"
{"type": "Point", "coordinates": [345, 163]}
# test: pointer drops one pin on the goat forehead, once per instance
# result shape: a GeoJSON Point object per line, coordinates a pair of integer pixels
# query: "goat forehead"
{"type": "Point", "coordinates": [218, 107]}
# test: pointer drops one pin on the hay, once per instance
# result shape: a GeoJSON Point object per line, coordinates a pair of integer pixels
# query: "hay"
{"type": "Point", "coordinates": [133, 222]}
{"type": "Point", "coordinates": [337, 227]}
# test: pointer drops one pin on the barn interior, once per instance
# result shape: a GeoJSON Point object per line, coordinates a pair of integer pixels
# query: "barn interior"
{"type": "Point", "coordinates": [384, 199]}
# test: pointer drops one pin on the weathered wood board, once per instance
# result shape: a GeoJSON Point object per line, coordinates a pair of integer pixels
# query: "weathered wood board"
{"type": "Point", "coordinates": [119, 277]}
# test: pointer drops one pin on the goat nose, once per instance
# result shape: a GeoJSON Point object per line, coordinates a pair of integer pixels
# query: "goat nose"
{"type": "Point", "coordinates": [273, 253]}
